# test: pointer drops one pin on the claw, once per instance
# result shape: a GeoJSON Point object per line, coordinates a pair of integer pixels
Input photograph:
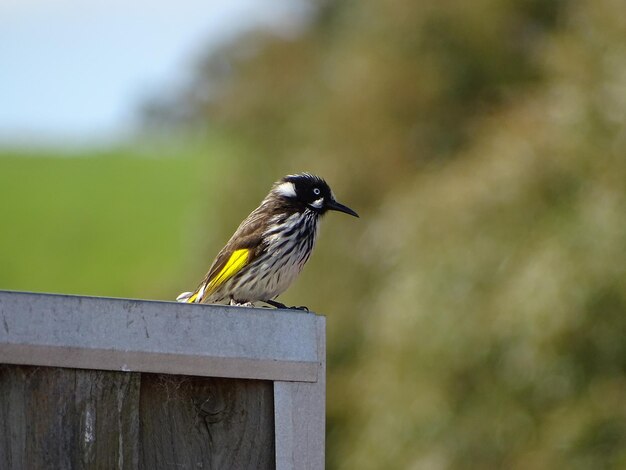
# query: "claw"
{"type": "Point", "coordinates": [276, 304]}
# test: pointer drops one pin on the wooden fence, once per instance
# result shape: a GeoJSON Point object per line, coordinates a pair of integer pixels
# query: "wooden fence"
{"type": "Point", "coordinates": [104, 383]}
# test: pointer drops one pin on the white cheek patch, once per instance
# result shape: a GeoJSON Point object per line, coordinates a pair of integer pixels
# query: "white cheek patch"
{"type": "Point", "coordinates": [286, 189]}
{"type": "Point", "coordinates": [317, 203]}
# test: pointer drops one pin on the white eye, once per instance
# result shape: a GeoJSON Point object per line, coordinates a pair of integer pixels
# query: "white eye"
{"type": "Point", "coordinates": [316, 191]}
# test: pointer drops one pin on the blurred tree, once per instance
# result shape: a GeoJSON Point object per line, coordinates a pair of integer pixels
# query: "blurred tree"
{"type": "Point", "coordinates": [478, 313]}
{"type": "Point", "coordinates": [392, 85]}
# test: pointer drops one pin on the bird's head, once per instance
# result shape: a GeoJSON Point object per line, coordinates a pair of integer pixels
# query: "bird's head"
{"type": "Point", "coordinates": [311, 192]}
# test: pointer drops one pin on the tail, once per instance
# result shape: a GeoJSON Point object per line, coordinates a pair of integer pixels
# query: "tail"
{"type": "Point", "coordinates": [188, 297]}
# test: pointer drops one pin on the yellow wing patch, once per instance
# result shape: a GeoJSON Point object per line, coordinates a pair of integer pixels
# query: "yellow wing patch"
{"type": "Point", "coordinates": [235, 263]}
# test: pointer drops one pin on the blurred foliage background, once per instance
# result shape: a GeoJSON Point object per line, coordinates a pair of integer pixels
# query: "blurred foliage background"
{"type": "Point", "coordinates": [477, 310]}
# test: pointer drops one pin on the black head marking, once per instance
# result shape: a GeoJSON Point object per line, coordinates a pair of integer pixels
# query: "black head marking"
{"type": "Point", "coordinates": [305, 191]}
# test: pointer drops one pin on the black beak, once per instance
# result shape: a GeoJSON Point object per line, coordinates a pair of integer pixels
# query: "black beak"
{"type": "Point", "coordinates": [336, 206]}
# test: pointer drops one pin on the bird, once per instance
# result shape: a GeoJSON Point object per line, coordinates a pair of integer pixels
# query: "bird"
{"type": "Point", "coordinates": [271, 246]}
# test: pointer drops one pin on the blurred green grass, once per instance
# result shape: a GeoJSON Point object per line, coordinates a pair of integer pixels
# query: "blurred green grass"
{"type": "Point", "coordinates": [115, 223]}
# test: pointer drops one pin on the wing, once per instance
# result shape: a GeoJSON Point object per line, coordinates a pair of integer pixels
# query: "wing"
{"type": "Point", "coordinates": [243, 248]}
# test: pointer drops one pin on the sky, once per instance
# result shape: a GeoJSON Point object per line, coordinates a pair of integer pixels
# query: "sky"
{"type": "Point", "coordinates": [77, 71]}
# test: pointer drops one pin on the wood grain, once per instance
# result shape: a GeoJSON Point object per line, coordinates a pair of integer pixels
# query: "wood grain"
{"type": "Point", "coordinates": [83, 419]}
{"type": "Point", "coordinates": [193, 422]}
{"type": "Point", "coordinates": [67, 418]}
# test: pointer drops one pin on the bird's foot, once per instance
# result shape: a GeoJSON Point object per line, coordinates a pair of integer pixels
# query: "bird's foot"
{"type": "Point", "coordinates": [304, 308]}
{"type": "Point", "coordinates": [234, 303]}
{"type": "Point", "coordinates": [276, 304]}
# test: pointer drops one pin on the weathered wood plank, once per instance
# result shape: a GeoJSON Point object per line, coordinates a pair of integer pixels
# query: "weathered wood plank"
{"type": "Point", "coordinates": [81, 419]}
{"type": "Point", "coordinates": [67, 418]}
{"type": "Point", "coordinates": [108, 404]}
{"type": "Point", "coordinates": [193, 422]}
